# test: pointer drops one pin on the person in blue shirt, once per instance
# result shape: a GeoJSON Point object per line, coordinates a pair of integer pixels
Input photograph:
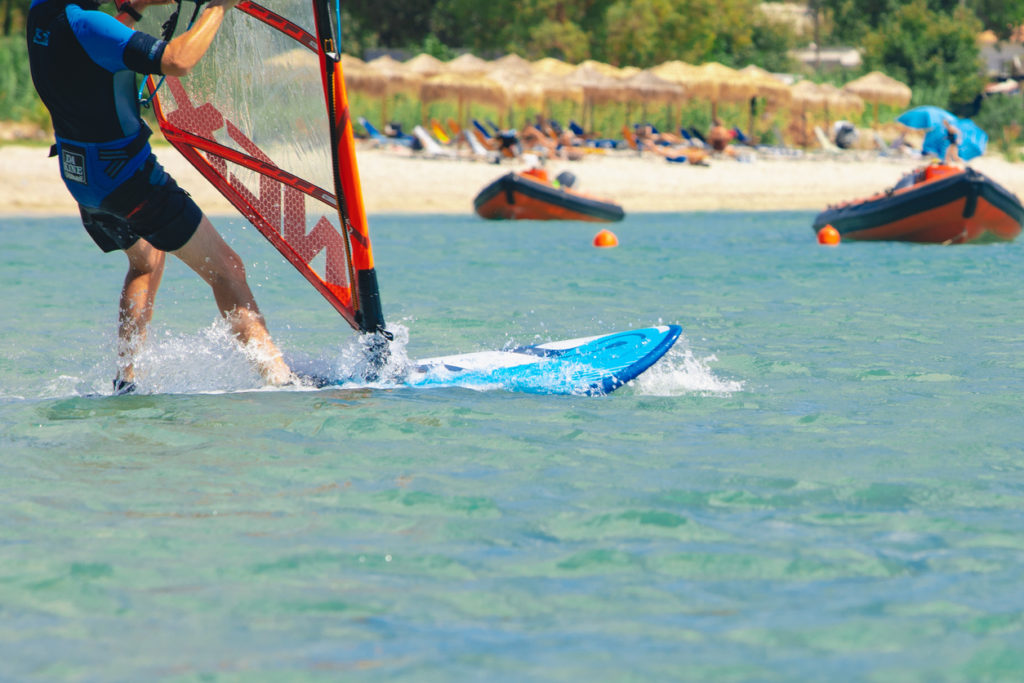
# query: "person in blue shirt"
{"type": "Point", "coordinates": [84, 64]}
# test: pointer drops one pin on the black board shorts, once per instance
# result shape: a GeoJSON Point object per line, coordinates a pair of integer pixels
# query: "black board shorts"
{"type": "Point", "coordinates": [149, 205]}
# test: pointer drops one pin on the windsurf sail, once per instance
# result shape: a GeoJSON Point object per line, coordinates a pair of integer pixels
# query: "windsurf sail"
{"type": "Point", "coordinates": [264, 117]}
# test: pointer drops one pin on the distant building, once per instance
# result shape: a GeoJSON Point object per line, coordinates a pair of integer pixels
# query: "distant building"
{"type": "Point", "coordinates": [828, 58]}
{"type": "Point", "coordinates": [1002, 58]}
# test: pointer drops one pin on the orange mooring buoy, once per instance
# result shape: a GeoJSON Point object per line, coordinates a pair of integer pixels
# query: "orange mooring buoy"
{"type": "Point", "coordinates": [829, 236]}
{"type": "Point", "coordinates": [606, 238]}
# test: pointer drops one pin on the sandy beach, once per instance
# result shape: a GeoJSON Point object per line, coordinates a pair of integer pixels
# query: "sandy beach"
{"type": "Point", "coordinates": [394, 183]}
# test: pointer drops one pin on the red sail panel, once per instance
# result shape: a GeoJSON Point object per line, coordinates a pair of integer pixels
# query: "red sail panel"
{"type": "Point", "coordinates": [251, 117]}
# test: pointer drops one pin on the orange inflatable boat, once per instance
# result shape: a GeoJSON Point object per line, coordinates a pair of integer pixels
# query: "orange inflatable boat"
{"type": "Point", "coordinates": [937, 204]}
{"type": "Point", "coordinates": [530, 195]}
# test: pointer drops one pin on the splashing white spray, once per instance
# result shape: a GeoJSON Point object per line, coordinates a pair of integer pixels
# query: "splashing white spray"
{"type": "Point", "coordinates": [679, 372]}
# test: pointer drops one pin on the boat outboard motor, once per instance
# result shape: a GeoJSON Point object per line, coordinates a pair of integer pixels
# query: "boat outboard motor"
{"type": "Point", "coordinates": [566, 179]}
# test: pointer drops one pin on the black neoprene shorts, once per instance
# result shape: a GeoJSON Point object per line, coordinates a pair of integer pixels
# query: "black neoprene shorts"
{"type": "Point", "coordinates": [149, 205]}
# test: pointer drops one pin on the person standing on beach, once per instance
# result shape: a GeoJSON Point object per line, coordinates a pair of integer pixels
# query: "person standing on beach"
{"type": "Point", "coordinates": [84, 64]}
{"type": "Point", "coordinates": [953, 138]}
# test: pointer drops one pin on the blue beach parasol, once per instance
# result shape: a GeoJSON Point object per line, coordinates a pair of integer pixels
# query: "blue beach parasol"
{"type": "Point", "coordinates": [973, 139]}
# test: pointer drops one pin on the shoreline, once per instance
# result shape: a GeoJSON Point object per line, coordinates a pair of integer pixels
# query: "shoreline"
{"type": "Point", "coordinates": [393, 183]}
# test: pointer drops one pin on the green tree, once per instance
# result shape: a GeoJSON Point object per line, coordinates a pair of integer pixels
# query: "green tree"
{"type": "Point", "coordinates": [14, 15]}
{"type": "Point", "coordinates": [479, 26]}
{"type": "Point", "coordinates": [1001, 16]}
{"type": "Point", "coordinates": [932, 52]}
{"type": "Point", "coordinates": [388, 23]}
{"type": "Point", "coordinates": [848, 21]}
{"type": "Point", "coordinates": [647, 32]}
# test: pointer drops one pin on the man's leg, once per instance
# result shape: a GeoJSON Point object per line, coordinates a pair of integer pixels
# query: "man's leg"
{"type": "Point", "coordinates": [145, 268]}
{"type": "Point", "coordinates": [217, 263]}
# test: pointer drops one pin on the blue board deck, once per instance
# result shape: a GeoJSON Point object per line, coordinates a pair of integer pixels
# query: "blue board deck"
{"type": "Point", "coordinates": [586, 366]}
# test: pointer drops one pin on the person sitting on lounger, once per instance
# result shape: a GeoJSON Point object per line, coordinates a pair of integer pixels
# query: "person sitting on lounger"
{"type": "Point", "coordinates": [719, 137]}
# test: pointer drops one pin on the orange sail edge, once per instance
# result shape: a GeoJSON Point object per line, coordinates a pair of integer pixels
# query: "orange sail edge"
{"type": "Point", "coordinates": [351, 211]}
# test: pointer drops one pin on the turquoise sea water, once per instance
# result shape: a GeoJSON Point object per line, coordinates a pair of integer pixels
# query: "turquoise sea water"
{"type": "Point", "coordinates": [824, 480]}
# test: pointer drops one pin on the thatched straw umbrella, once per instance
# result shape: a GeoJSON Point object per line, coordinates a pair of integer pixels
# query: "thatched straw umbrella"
{"type": "Point", "coordinates": [383, 77]}
{"type": "Point", "coordinates": [425, 65]}
{"type": "Point", "coordinates": [467, 64]}
{"type": "Point", "coordinates": [524, 89]}
{"type": "Point", "coordinates": [877, 88]}
{"type": "Point", "coordinates": [724, 84]}
{"type": "Point", "coordinates": [811, 97]}
{"type": "Point", "coordinates": [646, 88]}
{"type": "Point", "coordinates": [553, 67]}
{"type": "Point", "coordinates": [597, 86]}
{"type": "Point", "coordinates": [512, 62]}
{"type": "Point", "coordinates": [464, 88]}
{"type": "Point", "coordinates": [601, 67]}
{"type": "Point", "coordinates": [840, 102]}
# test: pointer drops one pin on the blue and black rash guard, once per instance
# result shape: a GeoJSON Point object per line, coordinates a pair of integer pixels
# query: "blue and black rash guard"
{"type": "Point", "coordinates": [83, 64]}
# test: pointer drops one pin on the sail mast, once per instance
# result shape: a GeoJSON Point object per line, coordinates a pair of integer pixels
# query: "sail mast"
{"type": "Point", "coordinates": [351, 212]}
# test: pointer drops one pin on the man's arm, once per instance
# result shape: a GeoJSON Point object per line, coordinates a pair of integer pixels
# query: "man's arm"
{"type": "Point", "coordinates": [184, 51]}
{"type": "Point", "coordinates": [130, 11]}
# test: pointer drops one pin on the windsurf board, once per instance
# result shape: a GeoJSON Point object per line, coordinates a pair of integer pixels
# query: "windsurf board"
{"type": "Point", "coordinates": [586, 366]}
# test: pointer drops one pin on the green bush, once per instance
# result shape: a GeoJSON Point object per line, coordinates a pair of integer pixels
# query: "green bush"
{"type": "Point", "coordinates": [18, 99]}
{"type": "Point", "coordinates": [1000, 118]}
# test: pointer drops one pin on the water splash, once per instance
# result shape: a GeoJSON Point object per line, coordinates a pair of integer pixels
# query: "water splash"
{"type": "Point", "coordinates": [358, 358]}
{"type": "Point", "coordinates": [680, 372]}
{"type": "Point", "coordinates": [210, 360]}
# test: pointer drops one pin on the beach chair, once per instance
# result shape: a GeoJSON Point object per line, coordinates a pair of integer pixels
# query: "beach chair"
{"type": "Point", "coordinates": [692, 133]}
{"type": "Point", "coordinates": [826, 144]}
{"type": "Point", "coordinates": [655, 131]}
{"type": "Point", "coordinates": [477, 147]}
{"type": "Point", "coordinates": [595, 143]}
{"type": "Point", "coordinates": [692, 139]}
{"type": "Point", "coordinates": [780, 150]}
{"type": "Point", "coordinates": [431, 147]}
{"type": "Point", "coordinates": [374, 134]}
{"type": "Point", "coordinates": [741, 137]}
{"type": "Point", "coordinates": [486, 134]}
{"type": "Point", "coordinates": [439, 133]}
{"type": "Point", "coordinates": [630, 138]}
{"type": "Point", "coordinates": [382, 140]}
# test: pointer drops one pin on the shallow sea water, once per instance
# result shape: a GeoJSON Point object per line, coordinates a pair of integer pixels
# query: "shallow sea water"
{"type": "Point", "coordinates": [824, 480]}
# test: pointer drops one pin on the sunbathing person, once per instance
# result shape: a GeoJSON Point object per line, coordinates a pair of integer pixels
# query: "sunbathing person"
{"type": "Point", "coordinates": [535, 140]}
{"type": "Point", "coordinates": [649, 141]}
{"type": "Point", "coordinates": [720, 138]}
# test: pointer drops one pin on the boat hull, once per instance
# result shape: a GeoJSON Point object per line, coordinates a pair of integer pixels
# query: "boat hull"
{"type": "Point", "coordinates": [959, 207]}
{"type": "Point", "coordinates": [515, 197]}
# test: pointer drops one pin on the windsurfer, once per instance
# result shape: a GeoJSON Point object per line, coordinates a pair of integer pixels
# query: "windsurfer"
{"type": "Point", "coordinates": [83, 64]}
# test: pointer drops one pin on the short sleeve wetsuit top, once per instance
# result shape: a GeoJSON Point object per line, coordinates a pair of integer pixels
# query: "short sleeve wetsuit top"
{"type": "Point", "coordinates": [84, 64]}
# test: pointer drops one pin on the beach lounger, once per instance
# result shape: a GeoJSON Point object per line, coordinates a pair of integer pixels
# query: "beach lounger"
{"type": "Point", "coordinates": [439, 133]}
{"type": "Point", "coordinates": [597, 143]}
{"type": "Point", "coordinates": [741, 137]}
{"type": "Point", "coordinates": [383, 140]}
{"type": "Point", "coordinates": [630, 138]}
{"type": "Point", "coordinates": [431, 147]}
{"type": "Point", "coordinates": [481, 129]}
{"type": "Point", "coordinates": [476, 145]}
{"type": "Point", "coordinates": [825, 143]}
